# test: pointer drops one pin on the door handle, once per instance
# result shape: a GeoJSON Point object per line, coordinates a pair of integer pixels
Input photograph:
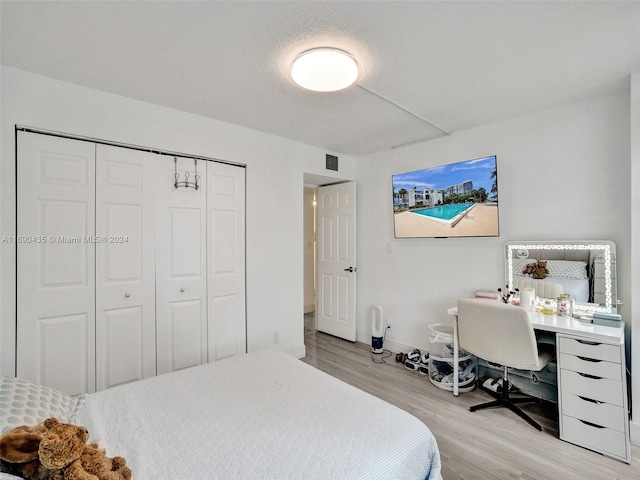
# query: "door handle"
{"type": "Point", "coordinates": [350, 269]}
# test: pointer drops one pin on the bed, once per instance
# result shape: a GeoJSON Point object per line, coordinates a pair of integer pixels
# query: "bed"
{"type": "Point", "coordinates": [263, 415]}
{"type": "Point", "coordinates": [571, 276]}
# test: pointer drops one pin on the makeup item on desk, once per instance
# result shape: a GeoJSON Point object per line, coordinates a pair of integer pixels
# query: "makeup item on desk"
{"type": "Point", "coordinates": [506, 295]}
{"type": "Point", "coordinates": [563, 308]}
{"type": "Point", "coordinates": [607, 319]}
{"type": "Point", "coordinates": [515, 298]}
{"type": "Point", "coordinates": [486, 294]}
{"type": "Point", "coordinates": [548, 307]}
{"type": "Point", "coordinates": [527, 297]}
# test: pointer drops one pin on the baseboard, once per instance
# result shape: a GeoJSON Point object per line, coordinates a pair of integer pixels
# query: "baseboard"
{"type": "Point", "coordinates": [390, 344]}
{"type": "Point", "coordinates": [298, 352]}
{"type": "Point", "coordinates": [634, 430]}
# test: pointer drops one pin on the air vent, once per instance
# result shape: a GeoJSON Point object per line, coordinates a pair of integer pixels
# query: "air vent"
{"type": "Point", "coordinates": [332, 162]}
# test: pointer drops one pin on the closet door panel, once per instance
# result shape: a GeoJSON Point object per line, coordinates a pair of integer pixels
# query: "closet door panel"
{"type": "Point", "coordinates": [226, 265]}
{"type": "Point", "coordinates": [125, 265]}
{"type": "Point", "coordinates": [181, 276]}
{"type": "Point", "coordinates": [225, 332]}
{"type": "Point", "coordinates": [68, 334]}
{"type": "Point", "coordinates": [188, 347]}
{"type": "Point", "coordinates": [123, 327]}
{"type": "Point", "coordinates": [56, 262]}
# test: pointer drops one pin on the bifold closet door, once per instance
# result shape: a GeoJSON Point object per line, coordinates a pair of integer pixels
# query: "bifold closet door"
{"type": "Point", "coordinates": [56, 262]}
{"type": "Point", "coordinates": [120, 275]}
{"type": "Point", "coordinates": [181, 266]}
{"type": "Point", "coordinates": [125, 265]}
{"type": "Point", "coordinates": [226, 260]}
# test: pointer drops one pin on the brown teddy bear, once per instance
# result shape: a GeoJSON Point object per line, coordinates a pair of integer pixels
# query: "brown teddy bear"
{"type": "Point", "coordinates": [536, 270]}
{"type": "Point", "coordinates": [19, 451]}
{"type": "Point", "coordinates": [61, 454]}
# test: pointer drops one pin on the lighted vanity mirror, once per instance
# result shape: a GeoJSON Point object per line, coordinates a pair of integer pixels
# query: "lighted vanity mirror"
{"type": "Point", "coordinates": [586, 270]}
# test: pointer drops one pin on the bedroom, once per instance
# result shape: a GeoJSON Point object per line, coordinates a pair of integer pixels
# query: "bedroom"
{"type": "Point", "coordinates": [535, 149]}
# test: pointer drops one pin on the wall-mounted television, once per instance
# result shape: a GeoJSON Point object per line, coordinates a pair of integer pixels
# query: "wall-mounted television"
{"type": "Point", "coordinates": [453, 200]}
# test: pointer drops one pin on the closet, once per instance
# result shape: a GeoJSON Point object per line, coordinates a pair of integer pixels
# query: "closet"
{"type": "Point", "coordinates": [121, 275]}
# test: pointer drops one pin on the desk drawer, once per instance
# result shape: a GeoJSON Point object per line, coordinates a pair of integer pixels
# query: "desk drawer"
{"type": "Point", "coordinates": [601, 439]}
{"type": "Point", "coordinates": [601, 389]}
{"type": "Point", "coordinates": [602, 414]}
{"type": "Point", "coordinates": [587, 349]}
{"type": "Point", "coordinates": [599, 368]}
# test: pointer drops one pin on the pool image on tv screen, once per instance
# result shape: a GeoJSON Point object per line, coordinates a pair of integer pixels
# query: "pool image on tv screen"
{"type": "Point", "coordinates": [453, 200]}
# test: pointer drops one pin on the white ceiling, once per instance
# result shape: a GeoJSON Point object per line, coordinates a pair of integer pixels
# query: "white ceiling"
{"type": "Point", "coordinates": [454, 64]}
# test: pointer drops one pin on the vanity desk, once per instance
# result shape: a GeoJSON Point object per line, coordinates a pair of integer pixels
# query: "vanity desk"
{"type": "Point", "coordinates": [592, 383]}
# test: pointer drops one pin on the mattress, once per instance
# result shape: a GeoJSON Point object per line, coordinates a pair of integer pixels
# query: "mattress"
{"type": "Point", "coordinates": [263, 415]}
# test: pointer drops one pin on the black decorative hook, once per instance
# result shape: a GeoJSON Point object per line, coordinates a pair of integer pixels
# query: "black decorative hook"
{"type": "Point", "coordinates": [177, 183]}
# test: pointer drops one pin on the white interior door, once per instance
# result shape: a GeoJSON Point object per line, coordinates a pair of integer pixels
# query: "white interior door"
{"type": "Point", "coordinates": [125, 265]}
{"type": "Point", "coordinates": [55, 263]}
{"type": "Point", "coordinates": [181, 267]}
{"type": "Point", "coordinates": [226, 260]}
{"type": "Point", "coordinates": [336, 264]}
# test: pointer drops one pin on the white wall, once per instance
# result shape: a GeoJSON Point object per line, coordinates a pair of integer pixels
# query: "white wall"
{"type": "Point", "coordinates": [275, 182]}
{"type": "Point", "coordinates": [563, 174]}
{"type": "Point", "coordinates": [635, 253]}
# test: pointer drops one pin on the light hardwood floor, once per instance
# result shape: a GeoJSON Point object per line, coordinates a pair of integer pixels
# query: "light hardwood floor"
{"type": "Point", "coordinates": [490, 444]}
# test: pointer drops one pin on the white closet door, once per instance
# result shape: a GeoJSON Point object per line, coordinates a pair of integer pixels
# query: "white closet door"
{"type": "Point", "coordinates": [55, 263]}
{"type": "Point", "coordinates": [181, 267]}
{"type": "Point", "coordinates": [226, 260]}
{"type": "Point", "coordinates": [125, 265]}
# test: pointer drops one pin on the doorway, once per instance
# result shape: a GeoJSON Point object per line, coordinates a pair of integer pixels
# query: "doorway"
{"type": "Point", "coordinates": [310, 267]}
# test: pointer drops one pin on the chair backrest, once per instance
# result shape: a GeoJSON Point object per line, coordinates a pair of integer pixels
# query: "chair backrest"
{"type": "Point", "coordinates": [498, 332]}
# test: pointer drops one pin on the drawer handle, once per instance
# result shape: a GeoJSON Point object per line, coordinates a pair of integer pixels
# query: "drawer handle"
{"type": "Point", "coordinates": [594, 360]}
{"type": "Point", "coordinates": [591, 424]}
{"type": "Point", "coordinates": [586, 375]}
{"type": "Point", "coordinates": [597, 402]}
{"type": "Point", "coordinates": [587, 342]}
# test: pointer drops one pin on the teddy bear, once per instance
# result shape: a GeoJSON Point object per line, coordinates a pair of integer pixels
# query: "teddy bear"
{"type": "Point", "coordinates": [19, 451]}
{"type": "Point", "coordinates": [62, 453]}
{"type": "Point", "coordinates": [536, 270]}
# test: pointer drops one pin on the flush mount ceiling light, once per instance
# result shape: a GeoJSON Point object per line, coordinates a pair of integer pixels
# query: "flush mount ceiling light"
{"type": "Point", "coordinates": [325, 70]}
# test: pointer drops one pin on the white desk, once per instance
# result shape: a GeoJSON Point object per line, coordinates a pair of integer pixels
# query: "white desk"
{"type": "Point", "coordinates": [555, 324]}
{"type": "Point", "coordinates": [592, 392]}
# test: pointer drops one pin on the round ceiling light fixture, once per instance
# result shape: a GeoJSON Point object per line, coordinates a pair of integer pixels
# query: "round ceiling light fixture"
{"type": "Point", "coordinates": [325, 70]}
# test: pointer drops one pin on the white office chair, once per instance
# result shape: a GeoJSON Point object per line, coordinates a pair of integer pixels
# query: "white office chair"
{"type": "Point", "coordinates": [501, 333]}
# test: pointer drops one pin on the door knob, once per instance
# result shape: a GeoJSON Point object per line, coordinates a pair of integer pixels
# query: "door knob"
{"type": "Point", "coordinates": [127, 295]}
{"type": "Point", "coordinates": [182, 290]}
{"type": "Point", "coordinates": [350, 269]}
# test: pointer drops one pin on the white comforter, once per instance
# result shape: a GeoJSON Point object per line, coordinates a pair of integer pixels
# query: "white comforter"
{"type": "Point", "coordinates": [263, 415]}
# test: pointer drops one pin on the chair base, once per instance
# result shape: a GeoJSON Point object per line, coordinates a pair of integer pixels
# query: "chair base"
{"type": "Point", "coordinates": [504, 400]}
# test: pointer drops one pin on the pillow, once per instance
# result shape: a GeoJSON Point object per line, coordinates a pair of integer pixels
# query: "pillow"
{"type": "Point", "coordinates": [26, 403]}
{"type": "Point", "coordinates": [567, 269]}
{"type": "Point", "coordinates": [557, 268]}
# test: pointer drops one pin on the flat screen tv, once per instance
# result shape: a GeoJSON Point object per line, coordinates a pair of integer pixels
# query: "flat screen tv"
{"type": "Point", "coordinates": [454, 200]}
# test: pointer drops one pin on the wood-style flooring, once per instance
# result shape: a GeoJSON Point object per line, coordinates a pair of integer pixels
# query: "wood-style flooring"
{"type": "Point", "coordinates": [490, 444]}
